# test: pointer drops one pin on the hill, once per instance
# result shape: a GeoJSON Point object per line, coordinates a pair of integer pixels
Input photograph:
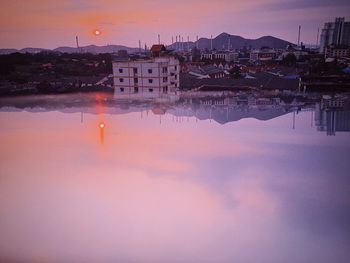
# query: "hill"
{"type": "Point", "coordinates": [222, 41]}
{"type": "Point", "coordinates": [86, 49]}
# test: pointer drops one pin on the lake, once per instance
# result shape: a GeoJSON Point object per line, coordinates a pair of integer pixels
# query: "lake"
{"type": "Point", "coordinates": [200, 177]}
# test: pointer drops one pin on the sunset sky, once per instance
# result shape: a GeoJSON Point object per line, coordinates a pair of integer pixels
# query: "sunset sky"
{"type": "Point", "coordinates": [49, 24]}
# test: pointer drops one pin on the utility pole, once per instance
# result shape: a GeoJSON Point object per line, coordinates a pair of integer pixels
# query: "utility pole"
{"type": "Point", "coordinates": [77, 41]}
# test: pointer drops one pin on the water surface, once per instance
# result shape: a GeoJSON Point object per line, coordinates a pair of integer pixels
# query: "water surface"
{"type": "Point", "coordinates": [173, 180]}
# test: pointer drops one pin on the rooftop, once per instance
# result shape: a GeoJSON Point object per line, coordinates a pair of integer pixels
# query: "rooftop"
{"type": "Point", "coordinates": [158, 48]}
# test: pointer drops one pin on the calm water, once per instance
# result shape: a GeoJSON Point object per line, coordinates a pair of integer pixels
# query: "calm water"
{"type": "Point", "coordinates": [92, 178]}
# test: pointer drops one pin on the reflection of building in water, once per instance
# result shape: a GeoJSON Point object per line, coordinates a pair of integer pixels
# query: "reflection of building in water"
{"type": "Point", "coordinates": [146, 97]}
{"type": "Point", "coordinates": [332, 115]}
{"type": "Point", "coordinates": [157, 74]}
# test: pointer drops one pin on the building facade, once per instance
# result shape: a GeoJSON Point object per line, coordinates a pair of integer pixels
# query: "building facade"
{"type": "Point", "coordinates": [264, 54]}
{"type": "Point", "coordinates": [153, 75]}
{"type": "Point", "coordinates": [335, 33]}
{"type": "Point", "coordinates": [228, 56]}
{"type": "Point", "coordinates": [337, 51]}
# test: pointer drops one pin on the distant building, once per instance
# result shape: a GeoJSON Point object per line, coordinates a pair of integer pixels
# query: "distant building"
{"type": "Point", "coordinates": [335, 33]}
{"type": "Point", "coordinates": [122, 53]}
{"type": "Point", "coordinates": [207, 72]}
{"type": "Point", "coordinates": [333, 51]}
{"type": "Point", "coordinates": [228, 56]}
{"type": "Point", "coordinates": [263, 54]}
{"type": "Point", "coordinates": [157, 74]}
{"type": "Point", "coordinates": [299, 53]}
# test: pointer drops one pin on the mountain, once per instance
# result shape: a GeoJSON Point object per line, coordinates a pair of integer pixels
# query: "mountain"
{"type": "Point", "coordinates": [97, 49]}
{"type": "Point", "coordinates": [32, 50]}
{"type": "Point", "coordinates": [88, 49]}
{"type": "Point", "coordinates": [66, 49]}
{"type": "Point", "coordinates": [222, 41]}
{"type": "Point", "coordinates": [5, 51]}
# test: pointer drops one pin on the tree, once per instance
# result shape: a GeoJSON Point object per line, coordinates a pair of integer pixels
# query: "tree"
{"type": "Point", "coordinates": [196, 54]}
{"type": "Point", "coordinates": [290, 60]}
{"type": "Point", "coordinates": [235, 72]}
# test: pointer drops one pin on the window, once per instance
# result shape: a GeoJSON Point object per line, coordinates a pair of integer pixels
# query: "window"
{"type": "Point", "coordinates": [121, 89]}
{"type": "Point", "coordinates": [165, 70]}
{"type": "Point", "coordinates": [135, 70]}
{"type": "Point", "coordinates": [149, 71]}
{"type": "Point", "coordinates": [175, 76]}
{"type": "Point", "coordinates": [120, 70]}
{"type": "Point", "coordinates": [165, 79]}
{"type": "Point", "coordinates": [121, 80]}
{"type": "Point", "coordinates": [150, 80]}
{"type": "Point", "coordinates": [150, 90]}
{"type": "Point", "coordinates": [175, 67]}
{"type": "Point", "coordinates": [136, 80]}
{"type": "Point", "coordinates": [136, 89]}
{"type": "Point", "coordinates": [165, 89]}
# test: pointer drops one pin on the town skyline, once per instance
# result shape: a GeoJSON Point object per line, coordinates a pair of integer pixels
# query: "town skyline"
{"type": "Point", "coordinates": [47, 24]}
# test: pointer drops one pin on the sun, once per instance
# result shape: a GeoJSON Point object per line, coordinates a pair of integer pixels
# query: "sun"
{"type": "Point", "coordinates": [97, 32]}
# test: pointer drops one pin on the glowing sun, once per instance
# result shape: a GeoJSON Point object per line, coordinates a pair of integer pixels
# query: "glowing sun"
{"type": "Point", "coordinates": [97, 32]}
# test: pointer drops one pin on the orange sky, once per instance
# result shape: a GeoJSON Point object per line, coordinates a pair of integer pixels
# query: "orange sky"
{"type": "Point", "coordinates": [49, 24]}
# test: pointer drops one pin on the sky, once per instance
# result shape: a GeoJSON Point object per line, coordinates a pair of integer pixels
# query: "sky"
{"type": "Point", "coordinates": [50, 24]}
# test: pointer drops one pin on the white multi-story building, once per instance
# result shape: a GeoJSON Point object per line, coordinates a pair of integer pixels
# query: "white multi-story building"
{"type": "Point", "coordinates": [148, 76]}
